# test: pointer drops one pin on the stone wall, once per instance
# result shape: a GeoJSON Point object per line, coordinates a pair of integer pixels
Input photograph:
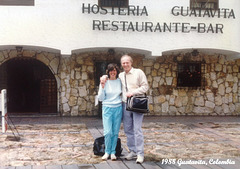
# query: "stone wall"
{"type": "Point", "coordinates": [49, 59]}
{"type": "Point", "coordinates": [77, 88]}
{"type": "Point", "coordinates": [220, 96]}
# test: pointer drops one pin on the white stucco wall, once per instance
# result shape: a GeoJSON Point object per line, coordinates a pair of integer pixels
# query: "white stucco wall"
{"type": "Point", "coordinates": [60, 24]}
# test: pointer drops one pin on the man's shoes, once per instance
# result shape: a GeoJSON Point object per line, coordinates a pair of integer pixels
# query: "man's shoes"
{"type": "Point", "coordinates": [140, 159]}
{"type": "Point", "coordinates": [130, 156]}
{"type": "Point", "coordinates": [113, 157]}
{"type": "Point", "coordinates": [105, 156]}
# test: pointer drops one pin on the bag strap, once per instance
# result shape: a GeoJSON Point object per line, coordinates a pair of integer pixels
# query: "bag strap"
{"type": "Point", "coordinates": [125, 81]}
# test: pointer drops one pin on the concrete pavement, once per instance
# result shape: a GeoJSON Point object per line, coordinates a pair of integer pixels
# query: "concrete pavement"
{"type": "Point", "coordinates": [205, 125]}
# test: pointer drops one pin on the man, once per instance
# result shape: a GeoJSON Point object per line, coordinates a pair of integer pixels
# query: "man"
{"type": "Point", "coordinates": [132, 121]}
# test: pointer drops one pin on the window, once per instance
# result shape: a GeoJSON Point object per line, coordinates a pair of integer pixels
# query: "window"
{"type": "Point", "coordinates": [17, 2]}
{"type": "Point", "coordinates": [204, 4]}
{"type": "Point", "coordinates": [189, 75]}
{"type": "Point", "coordinates": [113, 3]}
{"type": "Point", "coordinates": [100, 69]}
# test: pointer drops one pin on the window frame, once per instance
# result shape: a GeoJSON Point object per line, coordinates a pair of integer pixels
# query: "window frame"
{"type": "Point", "coordinates": [17, 2]}
{"type": "Point", "coordinates": [126, 3]}
{"type": "Point", "coordinates": [199, 79]}
{"type": "Point", "coordinates": [215, 2]}
{"type": "Point", "coordinates": [101, 67]}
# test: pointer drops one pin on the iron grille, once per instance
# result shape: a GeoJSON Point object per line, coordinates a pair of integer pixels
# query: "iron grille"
{"type": "Point", "coordinates": [17, 2]}
{"type": "Point", "coordinates": [113, 3]}
{"type": "Point", "coordinates": [204, 4]}
{"type": "Point", "coordinates": [191, 75]}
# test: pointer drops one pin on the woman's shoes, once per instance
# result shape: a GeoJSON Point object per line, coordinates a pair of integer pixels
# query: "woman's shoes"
{"type": "Point", "coordinates": [113, 157]}
{"type": "Point", "coordinates": [105, 156]}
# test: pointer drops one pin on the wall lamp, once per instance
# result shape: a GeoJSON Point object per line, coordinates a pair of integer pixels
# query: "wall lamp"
{"type": "Point", "coordinates": [19, 48]}
{"type": "Point", "coordinates": [111, 51]}
{"type": "Point", "coordinates": [195, 52]}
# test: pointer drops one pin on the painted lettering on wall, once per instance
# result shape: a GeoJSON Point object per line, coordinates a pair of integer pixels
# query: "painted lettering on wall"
{"type": "Point", "coordinates": [211, 13]}
{"type": "Point", "coordinates": [177, 11]}
{"type": "Point", "coordinates": [130, 10]}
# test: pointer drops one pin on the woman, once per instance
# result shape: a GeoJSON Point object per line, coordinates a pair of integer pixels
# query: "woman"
{"type": "Point", "coordinates": [110, 95]}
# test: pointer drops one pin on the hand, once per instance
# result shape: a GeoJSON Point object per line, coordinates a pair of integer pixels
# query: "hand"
{"type": "Point", "coordinates": [103, 80]}
{"type": "Point", "coordinates": [103, 84]}
{"type": "Point", "coordinates": [129, 94]}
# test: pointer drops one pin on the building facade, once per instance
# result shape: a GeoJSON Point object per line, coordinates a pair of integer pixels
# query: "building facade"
{"type": "Point", "coordinates": [52, 53]}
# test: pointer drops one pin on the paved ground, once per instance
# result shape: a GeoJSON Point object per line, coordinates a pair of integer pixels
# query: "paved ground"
{"type": "Point", "coordinates": [205, 141]}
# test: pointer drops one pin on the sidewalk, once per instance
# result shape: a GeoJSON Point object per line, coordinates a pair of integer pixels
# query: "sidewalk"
{"type": "Point", "coordinates": [96, 121]}
{"type": "Point", "coordinates": [178, 134]}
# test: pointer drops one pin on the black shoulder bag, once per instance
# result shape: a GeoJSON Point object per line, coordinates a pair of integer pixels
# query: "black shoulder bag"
{"type": "Point", "coordinates": [137, 103]}
{"type": "Point", "coordinates": [99, 147]}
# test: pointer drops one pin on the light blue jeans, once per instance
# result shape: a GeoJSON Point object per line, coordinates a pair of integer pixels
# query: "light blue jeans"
{"type": "Point", "coordinates": [132, 123]}
{"type": "Point", "coordinates": [112, 117]}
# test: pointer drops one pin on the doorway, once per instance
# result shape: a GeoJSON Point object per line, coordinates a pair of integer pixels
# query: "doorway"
{"type": "Point", "coordinates": [31, 86]}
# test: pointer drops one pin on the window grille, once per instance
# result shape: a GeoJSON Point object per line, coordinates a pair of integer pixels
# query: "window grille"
{"type": "Point", "coordinates": [113, 3]}
{"type": "Point", "coordinates": [100, 69]}
{"type": "Point", "coordinates": [191, 75]}
{"type": "Point", "coordinates": [17, 2]}
{"type": "Point", "coordinates": [204, 4]}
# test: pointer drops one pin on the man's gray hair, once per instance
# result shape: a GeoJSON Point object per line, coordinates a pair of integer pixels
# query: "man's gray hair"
{"type": "Point", "coordinates": [126, 55]}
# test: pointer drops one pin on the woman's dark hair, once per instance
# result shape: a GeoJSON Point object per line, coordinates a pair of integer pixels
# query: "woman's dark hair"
{"type": "Point", "coordinates": [111, 67]}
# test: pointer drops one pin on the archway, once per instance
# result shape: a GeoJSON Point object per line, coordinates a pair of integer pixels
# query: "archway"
{"type": "Point", "coordinates": [31, 86]}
